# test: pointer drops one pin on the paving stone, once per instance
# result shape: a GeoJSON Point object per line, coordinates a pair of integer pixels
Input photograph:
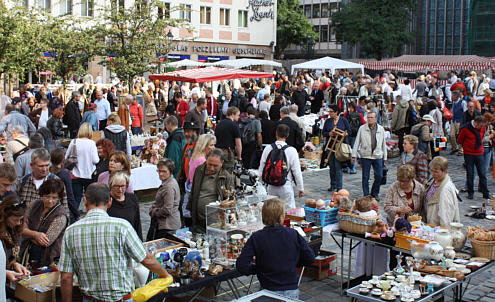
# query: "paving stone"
{"type": "Point", "coordinates": [487, 299]}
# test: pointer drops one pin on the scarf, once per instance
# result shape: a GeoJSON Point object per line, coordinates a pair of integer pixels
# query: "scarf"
{"type": "Point", "coordinates": [476, 134]}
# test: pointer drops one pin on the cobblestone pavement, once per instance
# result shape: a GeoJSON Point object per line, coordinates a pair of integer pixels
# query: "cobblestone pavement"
{"type": "Point", "coordinates": [482, 287]}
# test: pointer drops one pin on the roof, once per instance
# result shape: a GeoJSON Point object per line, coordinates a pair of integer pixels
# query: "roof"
{"type": "Point", "coordinates": [433, 62]}
{"type": "Point", "coordinates": [209, 74]}
{"type": "Point", "coordinates": [328, 63]}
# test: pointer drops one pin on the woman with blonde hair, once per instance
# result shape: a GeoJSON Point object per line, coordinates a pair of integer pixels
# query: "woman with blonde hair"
{"type": "Point", "coordinates": [87, 158]}
{"type": "Point", "coordinates": [204, 144]}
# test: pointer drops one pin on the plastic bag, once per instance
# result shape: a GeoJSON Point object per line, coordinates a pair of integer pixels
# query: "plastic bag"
{"type": "Point", "coordinates": [144, 293]}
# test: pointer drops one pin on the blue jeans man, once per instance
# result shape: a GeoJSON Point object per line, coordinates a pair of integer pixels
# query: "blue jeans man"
{"type": "Point", "coordinates": [335, 173]}
{"type": "Point", "coordinates": [377, 165]}
{"type": "Point", "coordinates": [477, 161]}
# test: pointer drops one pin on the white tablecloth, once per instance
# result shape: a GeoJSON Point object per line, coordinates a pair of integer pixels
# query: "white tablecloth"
{"type": "Point", "coordinates": [145, 177]}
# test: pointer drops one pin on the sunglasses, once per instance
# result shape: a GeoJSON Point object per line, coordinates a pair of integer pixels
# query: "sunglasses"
{"type": "Point", "coordinates": [15, 206]}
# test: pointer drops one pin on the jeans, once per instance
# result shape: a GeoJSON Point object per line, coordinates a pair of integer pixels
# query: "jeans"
{"type": "Point", "coordinates": [471, 162]}
{"type": "Point", "coordinates": [335, 173]}
{"type": "Point", "coordinates": [291, 293]}
{"type": "Point", "coordinates": [377, 173]}
{"type": "Point", "coordinates": [487, 156]}
{"type": "Point", "coordinates": [79, 186]}
{"type": "Point", "coordinates": [354, 165]}
{"type": "Point", "coordinates": [137, 130]}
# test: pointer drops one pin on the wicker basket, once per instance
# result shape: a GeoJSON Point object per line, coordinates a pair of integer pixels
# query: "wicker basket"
{"type": "Point", "coordinates": [485, 249]}
{"type": "Point", "coordinates": [356, 224]}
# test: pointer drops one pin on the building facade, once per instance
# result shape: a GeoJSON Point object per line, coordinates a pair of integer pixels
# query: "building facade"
{"type": "Point", "coordinates": [319, 13]}
{"type": "Point", "coordinates": [222, 29]}
{"type": "Point", "coordinates": [481, 37]}
{"type": "Point", "coordinates": [442, 27]}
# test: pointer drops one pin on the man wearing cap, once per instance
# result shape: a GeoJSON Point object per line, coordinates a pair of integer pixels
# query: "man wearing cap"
{"type": "Point", "coordinates": [90, 117]}
{"type": "Point", "coordinates": [102, 109]}
{"type": "Point", "coordinates": [422, 131]}
{"type": "Point", "coordinates": [72, 117]}
{"type": "Point", "coordinates": [191, 131]}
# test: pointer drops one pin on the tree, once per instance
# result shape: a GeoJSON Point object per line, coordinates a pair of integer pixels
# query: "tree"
{"type": "Point", "coordinates": [71, 45]}
{"type": "Point", "coordinates": [135, 35]}
{"type": "Point", "coordinates": [292, 26]}
{"type": "Point", "coordinates": [380, 27]}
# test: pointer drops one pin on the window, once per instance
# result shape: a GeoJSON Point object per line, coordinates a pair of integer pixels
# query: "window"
{"type": "Point", "coordinates": [120, 3]}
{"type": "Point", "coordinates": [45, 4]}
{"type": "Point", "coordinates": [307, 11]}
{"type": "Point", "coordinates": [164, 11]}
{"type": "Point", "coordinates": [205, 15]}
{"type": "Point", "coordinates": [324, 33]}
{"type": "Point", "coordinates": [316, 10]}
{"type": "Point", "coordinates": [324, 10]}
{"type": "Point", "coordinates": [87, 8]}
{"type": "Point", "coordinates": [66, 7]}
{"type": "Point", "coordinates": [185, 12]}
{"type": "Point", "coordinates": [242, 18]}
{"type": "Point", "coordinates": [225, 16]}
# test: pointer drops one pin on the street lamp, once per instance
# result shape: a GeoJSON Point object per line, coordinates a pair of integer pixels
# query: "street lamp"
{"type": "Point", "coordinates": [308, 52]}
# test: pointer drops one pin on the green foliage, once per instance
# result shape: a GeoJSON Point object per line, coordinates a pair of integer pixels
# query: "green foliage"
{"type": "Point", "coordinates": [292, 26]}
{"type": "Point", "coordinates": [380, 27]}
{"type": "Point", "coordinates": [133, 36]}
{"type": "Point", "coordinates": [72, 44]}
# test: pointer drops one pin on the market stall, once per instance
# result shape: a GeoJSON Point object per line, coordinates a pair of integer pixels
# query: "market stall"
{"type": "Point", "coordinates": [242, 63]}
{"type": "Point", "coordinates": [327, 63]}
{"type": "Point", "coordinates": [209, 74]}
{"type": "Point", "coordinates": [415, 63]}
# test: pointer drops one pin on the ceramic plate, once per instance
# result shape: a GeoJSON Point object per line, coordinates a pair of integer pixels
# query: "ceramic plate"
{"type": "Point", "coordinates": [388, 297]}
{"type": "Point", "coordinates": [480, 259]}
{"type": "Point", "coordinates": [464, 256]}
{"type": "Point", "coordinates": [364, 291]}
{"type": "Point", "coordinates": [377, 293]}
{"type": "Point", "coordinates": [491, 217]}
{"type": "Point", "coordinates": [404, 299]}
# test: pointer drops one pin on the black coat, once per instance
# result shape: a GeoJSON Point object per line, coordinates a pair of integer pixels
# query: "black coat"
{"type": "Point", "coordinates": [294, 133]}
{"type": "Point", "coordinates": [317, 101]}
{"type": "Point", "coordinates": [72, 117]}
{"type": "Point", "coordinates": [275, 112]}
{"type": "Point", "coordinates": [300, 98]}
{"type": "Point", "coordinates": [56, 128]}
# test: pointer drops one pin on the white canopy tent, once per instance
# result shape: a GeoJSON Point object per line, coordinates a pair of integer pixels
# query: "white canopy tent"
{"type": "Point", "coordinates": [328, 63]}
{"type": "Point", "coordinates": [186, 63]}
{"type": "Point", "coordinates": [241, 63]}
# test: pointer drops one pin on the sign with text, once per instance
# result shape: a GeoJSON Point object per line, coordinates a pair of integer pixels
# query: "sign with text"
{"type": "Point", "coordinates": [262, 9]}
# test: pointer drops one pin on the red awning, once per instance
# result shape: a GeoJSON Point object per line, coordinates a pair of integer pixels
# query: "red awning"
{"type": "Point", "coordinates": [209, 74]}
{"type": "Point", "coordinates": [413, 63]}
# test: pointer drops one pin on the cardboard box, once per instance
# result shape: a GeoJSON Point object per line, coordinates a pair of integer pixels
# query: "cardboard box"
{"type": "Point", "coordinates": [24, 289]}
{"type": "Point", "coordinates": [325, 266]}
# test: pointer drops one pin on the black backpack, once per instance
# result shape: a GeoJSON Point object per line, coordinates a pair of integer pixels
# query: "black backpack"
{"type": "Point", "coordinates": [247, 132]}
{"type": "Point", "coordinates": [354, 122]}
{"type": "Point", "coordinates": [275, 170]}
{"type": "Point", "coordinates": [411, 116]}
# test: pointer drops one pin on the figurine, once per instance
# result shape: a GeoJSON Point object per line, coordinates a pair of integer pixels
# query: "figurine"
{"type": "Point", "coordinates": [380, 231]}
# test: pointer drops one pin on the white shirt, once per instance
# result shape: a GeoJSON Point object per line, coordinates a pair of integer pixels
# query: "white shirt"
{"type": "Point", "coordinates": [87, 157]}
{"type": "Point", "coordinates": [406, 92]}
{"type": "Point", "coordinates": [43, 118]}
{"type": "Point", "coordinates": [293, 163]}
{"type": "Point", "coordinates": [264, 106]}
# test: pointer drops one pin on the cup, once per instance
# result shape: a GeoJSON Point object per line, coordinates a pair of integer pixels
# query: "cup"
{"type": "Point", "coordinates": [385, 285]}
{"type": "Point", "coordinates": [422, 289]}
{"type": "Point", "coordinates": [376, 279]}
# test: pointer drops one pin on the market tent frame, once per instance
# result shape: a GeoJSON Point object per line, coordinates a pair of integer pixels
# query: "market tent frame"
{"type": "Point", "coordinates": [242, 63]}
{"type": "Point", "coordinates": [185, 63]}
{"type": "Point", "coordinates": [209, 74]}
{"type": "Point", "coordinates": [415, 63]}
{"type": "Point", "coordinates": [328, 63]}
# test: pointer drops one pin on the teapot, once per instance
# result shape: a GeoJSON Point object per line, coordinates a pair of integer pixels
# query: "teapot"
{"type": "Point", "coordinates": [434, 250]}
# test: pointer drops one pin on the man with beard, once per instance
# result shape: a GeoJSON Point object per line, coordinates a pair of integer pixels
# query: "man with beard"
{"type": "Point", "coordinates": [191, 134]}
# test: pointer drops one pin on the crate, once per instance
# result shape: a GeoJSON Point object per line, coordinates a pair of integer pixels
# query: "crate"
{"type": "Point", "coordinates": [323, 267]}
{"type": "Point", "coordinates": [404, 241]}
{"type": "Point", "coordinates": [321, 217]}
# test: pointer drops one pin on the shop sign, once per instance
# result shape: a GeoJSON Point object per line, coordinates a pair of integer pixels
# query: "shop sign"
{"type": "Point", "coordinates": [202, 49]}
{"type": "Point", "coordinates": [262, 9]}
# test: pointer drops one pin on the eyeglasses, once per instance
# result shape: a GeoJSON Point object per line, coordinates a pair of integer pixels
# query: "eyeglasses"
{"type": "Point", "coordinates": [15, 206]}
{"type": "Point", "coordinates": [120, 187]}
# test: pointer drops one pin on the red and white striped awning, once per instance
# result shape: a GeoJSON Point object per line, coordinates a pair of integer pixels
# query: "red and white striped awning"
{"type": "Point", "coordinates": [209, 74]}
{"type": "Point", "coordinates": [415, 63]}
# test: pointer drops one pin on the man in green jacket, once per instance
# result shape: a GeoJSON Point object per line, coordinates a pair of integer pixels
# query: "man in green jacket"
{"type": "Point", "coordinates": [210, 182]}
{"type": "Point", "coordinates": [175, 142]}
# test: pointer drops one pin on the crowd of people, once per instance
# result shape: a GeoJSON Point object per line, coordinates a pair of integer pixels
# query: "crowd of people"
{"type": "Point", "coordinates": [210, 133]}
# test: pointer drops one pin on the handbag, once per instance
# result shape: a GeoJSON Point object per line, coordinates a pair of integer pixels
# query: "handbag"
{"type": "Point", "coordinates": [344, 153]}
{"type": "Point", "coordinates": [71, 161]}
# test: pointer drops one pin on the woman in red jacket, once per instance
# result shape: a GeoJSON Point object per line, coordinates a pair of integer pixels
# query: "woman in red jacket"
{"type": "Point", "coordinates": [182, 107]}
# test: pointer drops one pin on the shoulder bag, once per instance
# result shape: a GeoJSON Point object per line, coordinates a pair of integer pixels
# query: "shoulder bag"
{"type": "Point", "coordinates": [71, 161]}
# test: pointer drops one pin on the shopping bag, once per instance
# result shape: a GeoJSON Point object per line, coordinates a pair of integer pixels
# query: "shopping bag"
{"type": "Point", "coordinates": [447, 114]}
{"type": "Point", "coordinates": [144, 293]}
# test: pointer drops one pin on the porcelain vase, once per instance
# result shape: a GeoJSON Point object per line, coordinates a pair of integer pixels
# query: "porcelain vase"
{"type": "Point", "coordinates": [443, 237]}
{"type": "Point", "coordinates": [435, 250]}
{"type": "Point", "coordinates": [449, 252]}
{"type": "Point", "coordinates": [458, 236]}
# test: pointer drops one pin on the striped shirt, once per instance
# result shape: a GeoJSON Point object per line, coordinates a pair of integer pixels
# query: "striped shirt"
{"type": "Point", "coordinates": [99, 249]}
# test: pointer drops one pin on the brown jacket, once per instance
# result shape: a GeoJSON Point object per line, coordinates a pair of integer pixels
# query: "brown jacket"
{"type": "Point", "coordinates": [124, 116]}
{"type": "Point", "coordinates": [166, 206]}
{"type": "Point", "coordinates": [224, 180]}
